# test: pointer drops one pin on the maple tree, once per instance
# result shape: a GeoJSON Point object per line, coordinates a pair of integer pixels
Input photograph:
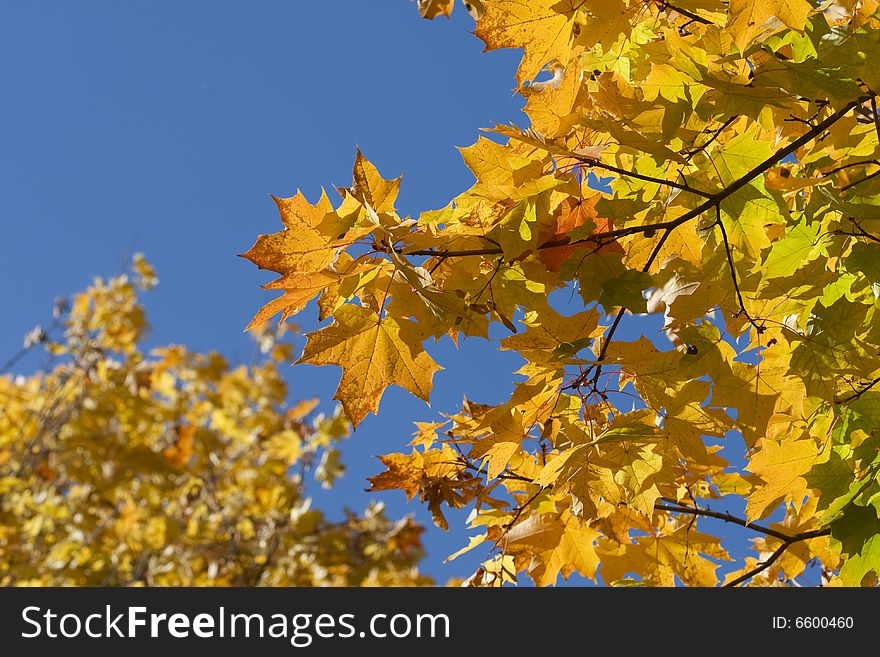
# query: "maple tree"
{"type": "Point", "coordinates": [166, 468]}
{"type": "Point", "coordinates": [714, 165]}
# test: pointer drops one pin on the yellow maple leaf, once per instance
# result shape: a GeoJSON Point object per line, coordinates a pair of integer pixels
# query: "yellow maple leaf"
{"type": "Point", "coordinates": [433, 8]}
{"type": "Point", "coordinates": [301, 246]}
{"type": "Point", "coordinates": [749, 18]}
{"type": "Point", "coordinates": [542, 27]}
{"type": "Point", "coordinates": [551, 334]}
{"type": "Point", "coordinates": [374, 353]}
{"type": "Point", "coordinates": [562, 543]}
{"type": "Point", "coordinates": [370, 188]}
{"type": "Point", "coordinates": [782, 464]}
{"type": "Point", "coordinates": [299, 288]}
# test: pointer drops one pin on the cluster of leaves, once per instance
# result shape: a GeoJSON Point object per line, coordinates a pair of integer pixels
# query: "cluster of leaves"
{"type": "Point", "coordinates": [119, 467]}
{"type": "Point", "coordinates": [713, 164]}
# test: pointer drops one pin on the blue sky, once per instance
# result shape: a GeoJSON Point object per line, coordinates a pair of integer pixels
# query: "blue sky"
{"type": "Point", "coordinates": [163, 127]}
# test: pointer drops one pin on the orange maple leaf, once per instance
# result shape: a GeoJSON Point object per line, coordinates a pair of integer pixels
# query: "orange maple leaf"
{"type": "Point", "coordinates": [573, 213]}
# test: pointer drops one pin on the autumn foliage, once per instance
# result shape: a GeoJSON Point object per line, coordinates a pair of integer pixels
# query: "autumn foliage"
{"type": "Point", "coordinates": [120, 466]}
{"type": "Point", "coordinates": [709, 167]}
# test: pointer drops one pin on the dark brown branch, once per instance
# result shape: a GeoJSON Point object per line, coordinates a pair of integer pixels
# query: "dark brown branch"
{"type": "Point", "coordinates": [507, 475]}
{"type": "Point", "coordinates": [684, 12]}
{"type": "Point", "coordinates": [516, 516]}
{"type": "Point", "coordinates": [780, 155]}
{"type": "Point", "coordinates": [803, 536]}
{"type": "Point", "coordinates": [719, 515]}
{"type": "Point", "coordinates": [689, 153]}
{"type": "Point", "coordinates": [873, 238]}
{"type": "Point", "coordinates": [597, 368]}
{"type": "Point", "coordinates": [650, 261]}
{"type": "Point", "coordinates": [595, 238]}
{"type": "Point", "coordinates": [862, 233]}
{"type": "Point", "coordinates": [669, 504]}
{"type": "Point", "coordinates": [797, 119]}
{"type": "Point", "coordinates": [858, 393]}
{"type": "Point", "coordinates": [711, 202]}
{"type": "Point", "coordinates": [860, 180]}
{"type": "Point", "coordinates": [850, 166]}
{"type": "Point", "coordinates": [787, 539]}
{"type": "Point", "coordinates": [764, 565]}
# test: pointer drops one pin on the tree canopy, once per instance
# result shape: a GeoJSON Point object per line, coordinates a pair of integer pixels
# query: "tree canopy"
{"type": "Point", "coordinates": [164, 467]}
{"type": "Point", "coordinates": [709, 165]}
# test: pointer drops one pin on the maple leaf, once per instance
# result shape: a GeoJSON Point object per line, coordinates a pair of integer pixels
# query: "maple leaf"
{"type": "Point", "coordinates": [747, 19]}
{"type": "Point", "coordinates": [370, 188]}
{"type": "Point", "coordinates": [374, 353]}
{"type": "Point", "coordinates": [782, 466]}
{"type": "Point", "coordinates": [434, 475]}
{"type": "Point", "coordinates": [301, 246]}
{"type": "Point", "coordinates": [299, 288]}
{"type": "Point", "coordinates": [551, 335]}
{"type": "Point", "coordinates": [571, 215]}
{"type": "Point", "coordinates": [859, 534]}
{"type": "Point", "coordinates": [433, 8]}
{"type": "Point", "coordinates": [560, 544]}
{"type": "Point", "coordinates": [544, 26]}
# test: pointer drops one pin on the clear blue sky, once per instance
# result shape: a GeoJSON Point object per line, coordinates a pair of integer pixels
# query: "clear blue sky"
{"type": "Point", "coordinates": [166, 125]}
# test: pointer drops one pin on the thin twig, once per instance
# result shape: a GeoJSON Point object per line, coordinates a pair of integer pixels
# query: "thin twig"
{"type": "Point", "coordinates": [803, 536]}
{"type": "Point", "coordinates": [739, 297]}
{"type": "Point", "coordinates": [860, 180]}
{"type": "Point", "coordinates": [597, 369]}
{"type": "Point", "coordinates": [596, 163]}
{"type": "Point", "coordinates": [689, 153]}
{"type": "Point", "coordinates": [861, 231]}
{"type": "Point", "coordinates": [684, 12]}
{"type": "Point", "coordinates": [860, 163]}
{"type": "Point", "coordinates": [519, 511]}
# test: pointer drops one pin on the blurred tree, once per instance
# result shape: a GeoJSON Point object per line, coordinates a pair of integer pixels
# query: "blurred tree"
{"type": "Point", "coordinates": [120, 467]}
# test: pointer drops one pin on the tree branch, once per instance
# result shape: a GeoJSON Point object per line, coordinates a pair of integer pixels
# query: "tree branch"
{"type": "Point", "coordinates": [764, 565]}
{"type": "Point", "coordinates": [803, 536]}
{"type": "Point", "coordinates": [708, 204]}
{"type": "Point", "coordinates": [604, 236]}
{"type": "Point", "coordinates": [860, 180]}
{"type": "Point", "coordinates": [850, 166]}
{"type": "Point", "coordinates": [787, 539]}
{"type": "Point", "coordinates": [684, 12]}
{"type": "Point", "coordinates": [690, 152]}
{"type": "Point", "coordinates": [858, 393]}
{"type": "Point", "coordinates": [861, 232]}
{"type": "Point", "coordinates": [578, 382]}
{"type": "Point", "coordinates": [719, 515]}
